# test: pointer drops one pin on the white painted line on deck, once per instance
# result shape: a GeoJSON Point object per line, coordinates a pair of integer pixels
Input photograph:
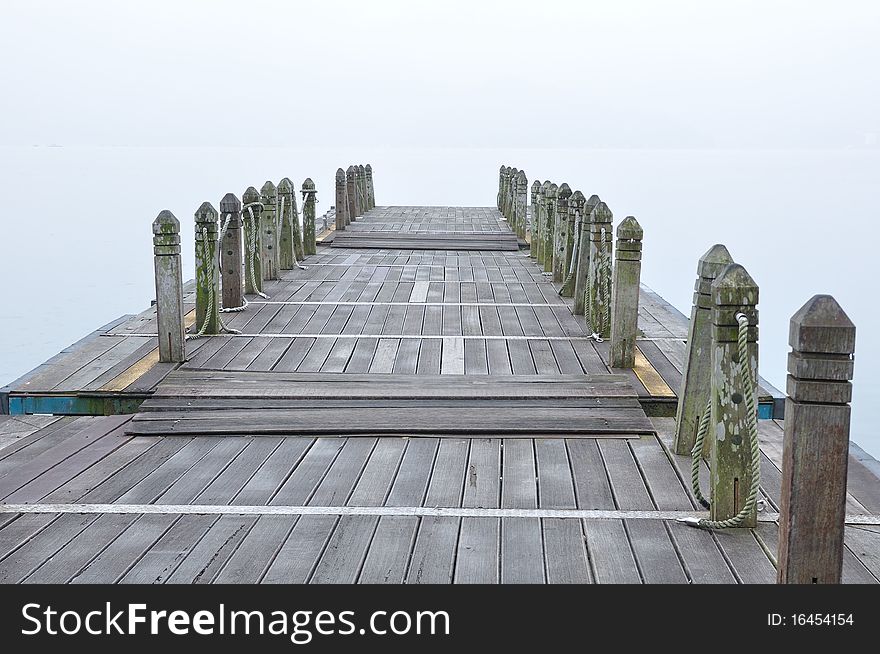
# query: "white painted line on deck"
{"type": "Point", "coordinates": [423, 337]}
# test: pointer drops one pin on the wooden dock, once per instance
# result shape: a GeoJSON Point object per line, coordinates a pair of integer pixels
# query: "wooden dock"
{"type": "Point", "coordinates": [417, 405]}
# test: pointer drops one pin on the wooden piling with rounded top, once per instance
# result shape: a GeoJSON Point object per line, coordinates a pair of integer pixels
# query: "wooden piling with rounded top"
{"type": "Point", "coordinates": [733, 292]}
{"type": "Point", "coordinates": [560, 233]}
{"type": "Point", "coordinates": [351, 192]}
{"type": "Point", "coordinates": [816, 444]}
{"type": "Point", "coordinates": [269, 228]}
{"type": "Point", "coordinates": [599, 281]}
{"type": "Point", "coordinates": [341, 201]}
{"type": "Point", "coordinates": [582, 266]}
{"type": "Point", "coordinates": [576, 204]}
{"type": "Point", "coordinates": [207, 272]}
{"type": "Point", "coordinates": [309, 200]}
{"type": "Point", "coordinates": [534, 227]}
{"type": "Point", "coordinates": [169, 288]}
{"type": "Point", "coordinates": [522, 190]}
{"type": "Point", "coordinates": [371, 191]}
{"type": "Point", "coordinates": [549, 225]}
{"type": "Point", "coordinates": [500, 187]}
{"type": "Point", "coordinates": [290, 237]}
{"type": "Point", "coordinates": [625, 293]}
{"type": "Point", "coordinates": [693, 395]}
{"type": "Point", "coordinates": [231, 251]}
{"type": "Point", "coordinates": [252, 209]}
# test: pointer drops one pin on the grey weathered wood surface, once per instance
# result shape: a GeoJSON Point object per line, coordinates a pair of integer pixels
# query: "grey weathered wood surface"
{"type": "Point", "coordinates": [169, 287]}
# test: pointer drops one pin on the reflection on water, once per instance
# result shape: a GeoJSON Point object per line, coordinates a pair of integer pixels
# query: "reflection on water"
{"type": "Point", "coordinates": [76, 244]}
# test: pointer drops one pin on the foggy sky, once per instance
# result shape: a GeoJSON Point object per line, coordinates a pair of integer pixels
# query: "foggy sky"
{"type": "Point", "coordinates": [396, 73]}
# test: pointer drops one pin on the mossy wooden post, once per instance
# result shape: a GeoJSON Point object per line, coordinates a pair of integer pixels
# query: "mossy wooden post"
{"type": "Point", "coordinates": [500, 188]}
{"type": "Point", "coordinates": [230, 251]}
{"type": "Point", "coordinates": [505, 200]}
{"type": "Point", "coordinates": [371, 192]}
{"type": "Point", "coordinates": [625, 294]}
{"type": "Point", "coordinates": [511, 201]}
{"type": "Point", "coordinates": [693, 395]}
{"type": "Point", "coordinates": [253, 241]}
{"type": "Point", "coordinates": [522, 191]}
{"type": "Point", "coordinates": [549, 225]}
{"type": "Point", "coordinates": [575, 211]}
{"type": "Point", "coordinates": [269, 228]}
{"type": "Point", "coordinates": [816, 444]}
{"type": "Point", "coordinates": [534, 227]}
{"type": "Point", "coordinates": [733, 292]}
{"type": "Point", "coordinates": [169, 287]}
{"type": "Point", "coordinates": [599, 283]}
{"type": "Point", "coordinates": [351, 191]}
{"type": "Point", "coordinates": [308, 192]}
{"type": "Point", "coordinates": [207, 273]}
{"type": "Point", "coordinates": [362, 188]}
{"type": "Point", "coordinates": [285, 225]}
{"type": "Point", "coordinates": [560, 233]}
{"type": "Point", "coordinates": [341, 201]}
{"type": "Point", "coordinates": [582, 266]}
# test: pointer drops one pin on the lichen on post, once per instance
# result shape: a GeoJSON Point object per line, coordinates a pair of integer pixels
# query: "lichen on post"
{"type": "Point", "coordinates": [560, 233]}
{"type": "Point", "coordinates": [816, 444]}
{"type": "Point", "coordinates": [351, 191]}
{"type": "Point", "coordinates": [549, 225]}
{"type": "Point", "coordinates": [252, 208]}
{"type": "Point", "coordinates": [733, 292]}
{"type": "Point", "coordinates": [341, 201]}
{"type": "Point", "coordinates": [207, 272]}
{"type": "Point", "coordinates": [500, 187]}
{"type": "Point", "coordinates": [269, 229]}
{"type": "Point", "coordinates": [230, 251]}
{"type": "Point", "coordinates": [599, 285]}
{"type": "Point", "coordinates": [371, 192]}
{"type": "Point", "coordinates": [309, 199]}
{"type": "Point", "coordinates": [534, 227]}
{"type": "Point", "coordinates": [625, 293]}
{"type": "Point", "coordinates": [693, 395]}
{"type": "Point", "coordinates": [582, 266]}
{"type": "Point", "coordinates": [169, 288]}
{"type": "Point", "coordinates": [288, 221]}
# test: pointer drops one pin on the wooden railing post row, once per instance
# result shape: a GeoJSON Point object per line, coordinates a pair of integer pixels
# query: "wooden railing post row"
{"type": "Point", "coordinates": [693, 396]}
{"type": "Point", "coordinates": [207, 274]}
{"type": "Point", "coordinates": [351, 191]}
{"type": "Point", "coordinates": [582, 265]}
{"type": "Point", "coordinates": [230, 252]}
{"type": "Point", "coordinates": [341, 201]}
{"type": "Point", "coordinates": [251, 210]}
{"type": "Point", "coordinates": [534, 227]}
{"type": "Point", "coordinates": [816, 444]}
{"type": "Point", "coordinates": [309, 200]}
{"type": "Point", "coordinates": [733, 292]}
{"type": "Point", "coordinates": [269, 227]}
{"type": "Point", "coordinates": [560, 233]}
{"type": "Point", "coordinates": [625, 293]}
{"type": "Point", "coordinates": [575, 214]}
{"type": "Point", "coordinates": [371, 192]}
{"type": "Point", "coordinates": [522, 190]}
{"type": "Point", "coordinates": [599, 278]}
{"type": "Point", "coordinates": [549, 224]}
{"type": "Point", "coordinates": [169, 287]}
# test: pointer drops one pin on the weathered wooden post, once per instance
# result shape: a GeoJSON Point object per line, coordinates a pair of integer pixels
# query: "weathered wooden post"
{"type": "Point", "coordinates": [362, 188]}
{"type": "Point", "coordinates": [582, 266]}
{"type": "Point", "coordinates": [560, 233]}
{"type": "Point", "coordinates": [308, 193]}
{"type": "Point", "coordinates": [207, 273]}
{"type": "Point", "coordinates": [549, 225]}
{"type": "Point", "coordinates": [575, 226]}
{"type": "Point", "coordinates": [341, 201]}
{"type": "Point", "coordinates": [511, 200]}
{"type": "Point", "coordinates": [816, 444]}
{"type": "Point", "coordinates": [733, 292]}
{"type": "Point", "coordinates": [169, 287]}
{"type": "Point", "coordinates": [230, 252]}
{"type": "Point", "coordinates": [253, 241]}
{"type": "Point", "coordinates": [505, 201]}
{"type": "Point", "coordinates": [599, 286]}
{"type": "Point", "coordinates": [269, 229]}
{"type": "Point", "coordinates": [500, 187]}
{"type": "Point", "coordinates": [693, 395]}
{"type": "Point", "coordinates": [522, 190]}
{"type": "Point", "coordinates": [290, 238]}
{"type": "Point", "coordinates": [371, 192]}
{"type": "Point", "coordinates": [534, 225]}
{"type": "Point", "coordinates": [351, 190]}
{"type": "Point", "coordinates": [625, 293]}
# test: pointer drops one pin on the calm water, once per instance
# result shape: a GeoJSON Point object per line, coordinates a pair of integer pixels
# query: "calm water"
{"type": "Point", "coordinates": [76, 243]}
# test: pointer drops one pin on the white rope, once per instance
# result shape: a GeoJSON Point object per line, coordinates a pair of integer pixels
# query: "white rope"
{"type": "Point", "coordinates": [251, 250]}
{"type": "Point", "coordinates": [212, 299]}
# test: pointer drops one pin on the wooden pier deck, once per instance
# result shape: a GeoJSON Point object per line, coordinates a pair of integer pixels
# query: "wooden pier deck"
{"type": "Point", "coordinates": [406, 409]}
